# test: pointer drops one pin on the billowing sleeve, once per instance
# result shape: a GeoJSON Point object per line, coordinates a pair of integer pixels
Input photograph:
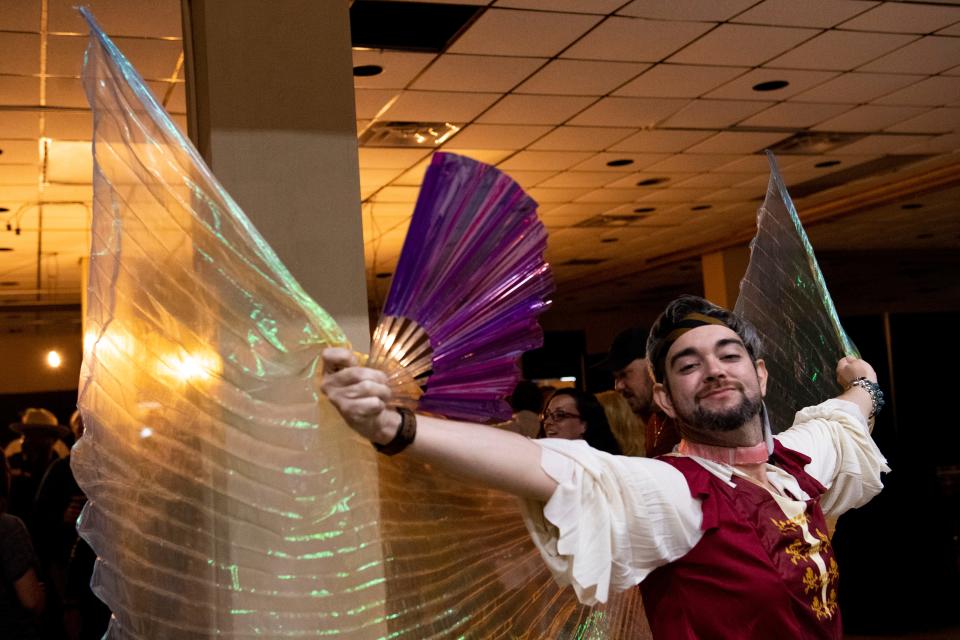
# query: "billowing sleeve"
{"type": "Point", "coordinates": [612, 519]}
{"type": "Point", "coordinates": [844, 457]}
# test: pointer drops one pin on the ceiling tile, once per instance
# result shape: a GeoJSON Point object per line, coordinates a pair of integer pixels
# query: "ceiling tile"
{"type": "Point", "coordinates": [390, 158]}
{"type": "Point", "coordinates": [635, 39]}
{"type": "Point", "coordinates": [676, 194]}
{"type": "Point", "coordinates": [21, 53]}
{"type": "Point", "coordinates": [716, 10]}
{"type": "Point", "coordinates": [745, 45]}
{"type": "Point", "coordinates": [577, 179]}
{"type": "Point", "coordinates": [373, 179]}
{"type": "Point", "coordinates": [630, 181]}
{"type": "Point", "coordinates": [535, 109]}
{"type": "Point", "coordinates": [943, 120]}
{"type": "Point", "coordinates": [65, 55]}
{"type": "Point", "coordinates": [399, 68]}
{"type": "Point", "coordinates": [65, 92]}
{"type": "Point", "coordinates": [729, 142]}
{"type": "Point", "coordinates": [808, 164]}
{"type": "Point", "coordinates": [947, 143]}
{"type": "Point", "coordinates": [581, 138]}
{"type": "Point", "coordinates": [950, 31]}
{"type": "Point", "coordinates": [715, 113]}
{"type": "Point", "coordinates": [628, 112]}
{"type": "Point", "coordinates": [600, 7]}
{"type": "Point", "coordinates": [795, 115]}
{"type": "Point", "coordinates": [932, 92]}
{"type": "Point", "coordinates": [20, 151]}
{"type": "Point", "coordinates": [65, 125]}
{"type": "Point", "coordinates": [868, 118]}
{"type": "Point", "coordinates": [21, 91]}
{"type": "Point", "coordinates": [639, 161]}
{"type": "Point", "coordinates": [931, 54]}
{"type": "Point", "coordinates": [809, 13]}
{"type": "Point", "coordinates": [678, 81]}
{"type": "Point", "coordinates": [840, 50]}
{"type": "Point", "coordinates": [897, 17]}
{"type": "Point", "coordinates": [880, 145]}
{"type": "Point", "coordinates": [527, 179]}
{"type": "Point", "coordinates": [490, 156]}
{"type": "Point", "coordinates": [715, 180]}
{"type": "Point", "coordinates": [544, 160]}
{"type": "Point", "coordinates": [174, 99]}
{"type": "Point", "coordinates": [126, 17]}
{"type": "Point", "coordinates": [742, 87]}
{"type": "Point", "coordinates": [397, 194]}
{"type": "Point", "coordinates": [25, 174]}
{"type": "Point", "coordinates": [660, 140]}
{"type": "Point", "coordinates": [153, 59]}
{"type": "Point", "coordinates": [612, 196]}
{"type": "Point", "coordinates": [691, 162]}
{"type": "Point", "coordinates": [856, 88]}
{"type": "Point", "coordinates": [509, 32]}
{"type": "Point", "coordinates": [495, 136]}
{"type": "Point", "coordinates": [20, 16]}
{"type": "Point", "coordinates": [747, 164]}
{"type": "Point", "coordinates": [369, 102]}
{"type": "Point", "coordinates": [477, 73]}
{"type": "Point", "coordinates": [439, 106]}
{"type": "Point", "coordinates": [544, 195]}
{"type": "Point", "coordinates": [581, 77]}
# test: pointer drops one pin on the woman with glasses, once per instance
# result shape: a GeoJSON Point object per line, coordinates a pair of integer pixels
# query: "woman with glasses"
{"type": "Point", "coordinates": [572, 414]}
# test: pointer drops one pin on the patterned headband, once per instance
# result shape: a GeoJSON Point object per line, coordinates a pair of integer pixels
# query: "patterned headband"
{"type": "Point", "coordinates": [691, 321]}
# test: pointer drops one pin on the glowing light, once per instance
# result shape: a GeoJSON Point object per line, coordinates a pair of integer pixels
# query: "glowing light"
{"type": "Point", "coordinates": [190, 367]}
{"type": "Point", "coordinates": [146, 432]}
{"type": "Point", "coordinates": [54, 360]}
{"type": "Point", "coordinates": [568, 379]}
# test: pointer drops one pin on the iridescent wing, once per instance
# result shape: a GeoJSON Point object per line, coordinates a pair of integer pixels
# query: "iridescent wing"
{"type": "Point", "coordinates": [226, 498]}
{"type": "Point", "coordinates": [785, 296]}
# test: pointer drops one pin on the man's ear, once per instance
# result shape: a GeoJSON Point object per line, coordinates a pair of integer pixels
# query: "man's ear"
{"type": "Point", "coordinates": [662, 397]}
{"type": "Point", "coordinates": [762, 376]}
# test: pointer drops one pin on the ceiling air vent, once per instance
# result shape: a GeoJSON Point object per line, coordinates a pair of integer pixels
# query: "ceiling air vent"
{"type": "Point", "coordinates": [407, 134]}
{"type": "Point", "coordinates": [880, 166]}
{"type": "Point", "coordinates": [814, 142]}
{"type": "Point", "coordinates": [609, 220]}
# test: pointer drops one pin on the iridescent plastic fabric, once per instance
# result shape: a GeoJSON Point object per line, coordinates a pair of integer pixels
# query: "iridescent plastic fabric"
{"type": "Point", "coordinates": [226, 497]}
{"type": "Point", "coordinates": [785, 296]}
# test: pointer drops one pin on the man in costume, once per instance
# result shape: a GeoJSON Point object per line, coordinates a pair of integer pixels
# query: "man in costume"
{"type": "Point", "coordinates": [733, 522]}
{"type": "Point", "coordinates": [632, 379]}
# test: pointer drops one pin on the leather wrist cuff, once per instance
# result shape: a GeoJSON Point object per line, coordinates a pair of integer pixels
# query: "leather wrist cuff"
{"type": "Point", "coordinates": [404, 436]}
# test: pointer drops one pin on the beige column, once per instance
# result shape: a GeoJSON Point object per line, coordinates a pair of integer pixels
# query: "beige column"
{"type": "Point", "coordinates": [271, 108]}
{"type": "Point", "coordinates": [722, 273]}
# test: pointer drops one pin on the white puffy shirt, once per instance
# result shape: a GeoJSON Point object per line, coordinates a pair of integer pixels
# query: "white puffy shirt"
{"type": "Point", "coordinates": [614, 519]}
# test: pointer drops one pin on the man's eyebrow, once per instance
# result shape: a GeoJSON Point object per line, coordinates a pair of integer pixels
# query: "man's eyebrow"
{"type": "Point", "coordinates": [725, 342]}
{"type": "Point", "coordinates": [689, 351]}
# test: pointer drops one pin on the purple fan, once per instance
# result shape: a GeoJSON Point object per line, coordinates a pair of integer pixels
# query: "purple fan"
{"type": "Point", "coordinates": [466, 293]}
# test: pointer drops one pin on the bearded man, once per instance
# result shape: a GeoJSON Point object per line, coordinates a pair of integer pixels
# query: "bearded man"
{"type": "Point", "coordinates": [726, 536]}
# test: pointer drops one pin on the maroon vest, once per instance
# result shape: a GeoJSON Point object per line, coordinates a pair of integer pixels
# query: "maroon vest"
{"type": "Point", "coordinates": [752, 575]}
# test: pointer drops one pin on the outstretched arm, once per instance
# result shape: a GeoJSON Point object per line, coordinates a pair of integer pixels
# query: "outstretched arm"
{"type": "Point", "coordinates": [849, 369]}
{"type": "Point", "coordinates": [493, 457]}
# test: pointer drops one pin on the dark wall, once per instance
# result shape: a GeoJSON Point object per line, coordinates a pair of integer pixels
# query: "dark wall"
{"type": "Point", "coordinates": [899, 555]}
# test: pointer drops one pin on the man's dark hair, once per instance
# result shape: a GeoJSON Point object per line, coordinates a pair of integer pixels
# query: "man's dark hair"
{"type": "Point", "coordinates": [526, 396]}
{"type": "Point", "coordinates": [677, 317]}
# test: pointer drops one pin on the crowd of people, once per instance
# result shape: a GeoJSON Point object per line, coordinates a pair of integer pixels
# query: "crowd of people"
{"type": "Point", "coordinates": [46, 567]}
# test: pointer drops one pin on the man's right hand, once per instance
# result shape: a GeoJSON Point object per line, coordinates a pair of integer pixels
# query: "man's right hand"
{"type": "Point", "coordinates": [360, 395]}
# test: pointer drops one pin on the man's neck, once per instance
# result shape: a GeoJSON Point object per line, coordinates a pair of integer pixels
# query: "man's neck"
{"type": "Point", "coordinates": [748, 434]}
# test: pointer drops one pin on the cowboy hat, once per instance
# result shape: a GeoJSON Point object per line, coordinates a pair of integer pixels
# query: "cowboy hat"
{"type": "Point", "coordinates": [40, 422]}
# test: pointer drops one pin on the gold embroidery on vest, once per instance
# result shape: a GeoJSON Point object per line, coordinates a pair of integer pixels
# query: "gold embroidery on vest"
{"type": "Point", "coordinates": [824, 610]}
{"type": "Point", "coordinates": [798, 551]}
{"type": "Point", "coordinates": [791, 525]}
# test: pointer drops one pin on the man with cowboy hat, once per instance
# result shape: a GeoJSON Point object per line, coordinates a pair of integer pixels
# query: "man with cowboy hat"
{"type": "Point", "coordinates": [40, 431]}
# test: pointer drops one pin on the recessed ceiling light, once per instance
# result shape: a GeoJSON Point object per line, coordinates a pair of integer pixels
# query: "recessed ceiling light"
{"type": "Point", "coordinates": [644, 209]}
{"type": "Point", "coordinates": [770, 85]}
{"type": "Point", "coordinates": [620, 162]}
{"type": "Point", "coordinates": [700, 207]}
{"type": "Point", "coordinates": [367, 70]}
{"type": "Point", "coordinates": [6, 248]}
{"type": "Point", "coordinates": [4, 209]}
{"type": "Point", "coordinates": [911, 205]}
{"type": "Point", "coordinates": [608, 240]}
{"type": "Point", "coordinates": [827, 163]}
{"type": "Point", "coordinates": [384, 274]}
{"type": "Point", "coordinates": [651, 181]}
{"type": "Point", "coordinates": [8, 283]}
